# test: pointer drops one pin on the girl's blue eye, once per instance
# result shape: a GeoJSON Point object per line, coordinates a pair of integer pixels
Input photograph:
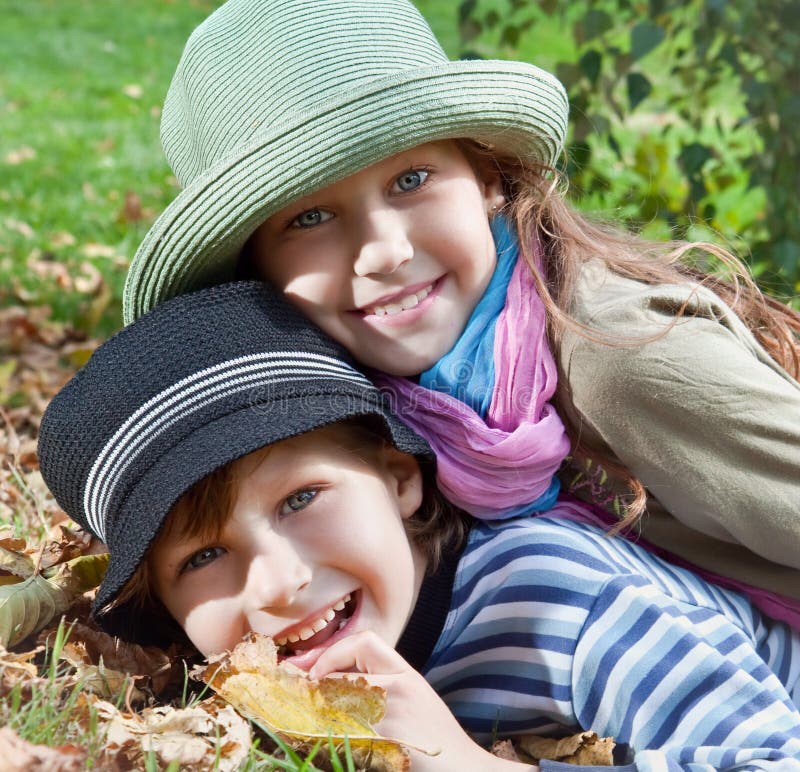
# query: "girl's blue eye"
{"type": "Point", "coordinates": [202, 558]}
{"type": "Point", "coordinates": [411, 179]}
{"type": "Point", "coordinates": [310, 218]}
{"type": "Point", "coordinates": [298, 500]}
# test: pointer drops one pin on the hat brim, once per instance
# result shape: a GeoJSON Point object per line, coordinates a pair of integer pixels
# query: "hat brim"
{"type": "Point", "coordinates": [513, 106]}
{"type": "Point", "coordinates": [211, 447]}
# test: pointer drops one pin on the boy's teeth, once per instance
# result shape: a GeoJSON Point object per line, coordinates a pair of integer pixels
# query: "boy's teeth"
{"type": "Point", "coordinates": [409, 301]}
{"type": "Point", "coordinates": [320, 624]}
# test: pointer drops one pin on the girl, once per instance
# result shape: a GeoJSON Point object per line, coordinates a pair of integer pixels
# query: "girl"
{"type": "Point", "coordinates": [409, 205]}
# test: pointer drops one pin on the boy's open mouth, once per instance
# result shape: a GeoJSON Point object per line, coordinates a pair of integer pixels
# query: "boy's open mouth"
{"type": "Point", "coordinates": [317, 631]}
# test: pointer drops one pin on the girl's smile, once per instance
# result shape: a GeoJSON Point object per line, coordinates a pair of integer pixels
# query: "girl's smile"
{"type": "Point", "coordinates": [302, 555]}
{"type": "Point", "coordinates": [390, 261]}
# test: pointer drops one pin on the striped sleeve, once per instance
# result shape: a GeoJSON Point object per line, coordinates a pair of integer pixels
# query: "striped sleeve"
{"type": "Point", "coordinates": [680, 684]}
{"type": "Point", "coordinates": [555, 628]}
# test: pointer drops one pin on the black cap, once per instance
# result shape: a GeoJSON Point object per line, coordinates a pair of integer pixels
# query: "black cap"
{"type": "Point", "coordinates": [196, 383]}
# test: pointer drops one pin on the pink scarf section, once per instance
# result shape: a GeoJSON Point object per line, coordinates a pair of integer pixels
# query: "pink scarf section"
{"type": "Point", "coordinates": [508, 459]}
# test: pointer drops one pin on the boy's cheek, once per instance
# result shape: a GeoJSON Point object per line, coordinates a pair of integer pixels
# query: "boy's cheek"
{"type": "Point", "coordinates": [210, 626]}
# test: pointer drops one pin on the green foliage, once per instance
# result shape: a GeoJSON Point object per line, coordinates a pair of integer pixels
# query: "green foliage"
{"type": "Point", "coordinates": [684, 113]}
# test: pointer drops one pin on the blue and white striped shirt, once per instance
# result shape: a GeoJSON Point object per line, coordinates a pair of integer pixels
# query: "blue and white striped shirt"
{"type": "Point", "coordinates": [554, 627]}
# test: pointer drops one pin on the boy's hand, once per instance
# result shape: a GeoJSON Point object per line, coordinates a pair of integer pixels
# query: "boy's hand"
{"type": "Point", "coordinates": [414, 712]}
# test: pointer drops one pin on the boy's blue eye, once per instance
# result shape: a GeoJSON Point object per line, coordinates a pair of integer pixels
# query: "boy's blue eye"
{"type": "Point", "coordinates": [202, 558]}
{"type": "Point", "coordinates": [411, 179]}
{"type": "Point", "coordinates": [298, 500]}
{"type": "Point", "coordinates": [310, 218]}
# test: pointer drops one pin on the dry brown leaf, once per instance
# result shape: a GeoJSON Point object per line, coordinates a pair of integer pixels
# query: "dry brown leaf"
{"type": "Point", "coordinates": [18, 669]}
{"type": "Point", "coordinates": [96, 678]}
{"type": "Point", "coordinates": [504, 749]}
{"type": "Point", "coordinates": [92, 647]}
{"type": "Point", "coordinates": [581, 748]}
{"type": "Point", "coordinates": [207, 736]}
{"type": "Point", "coordinates": [285, 700]}
{"type": "Point", "coordinates": [131, 210]}
{"type": "Point", "coordinates": [19, 755]}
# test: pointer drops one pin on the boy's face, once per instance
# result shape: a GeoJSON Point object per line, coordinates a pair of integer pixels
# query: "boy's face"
{"type": "Point", "coordinates": [390, 261]}
{"type": "Point", "coordinates": [315, 549]}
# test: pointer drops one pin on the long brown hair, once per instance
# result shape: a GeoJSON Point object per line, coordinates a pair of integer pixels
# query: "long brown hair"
{"type": "Point", "coordinates": [538, 206]}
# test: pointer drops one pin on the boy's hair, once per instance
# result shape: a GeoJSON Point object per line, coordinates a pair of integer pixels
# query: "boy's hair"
{"type": "Point", "coordinates": [569, 239]}
{"type": "Point", "coordinates": [205, 508]}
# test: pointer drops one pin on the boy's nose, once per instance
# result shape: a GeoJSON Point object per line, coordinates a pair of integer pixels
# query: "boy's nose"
{"type": "Point", "coordinates": [276, 576]}
{"type": "Point", "coordinates": [383, 244]}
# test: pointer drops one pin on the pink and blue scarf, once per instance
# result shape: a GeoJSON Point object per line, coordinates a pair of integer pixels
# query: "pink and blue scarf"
{"type": "Point", "coordinates": [484, 408]}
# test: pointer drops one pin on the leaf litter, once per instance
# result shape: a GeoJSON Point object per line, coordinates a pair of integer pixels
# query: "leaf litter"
{"type": "Point", "coordinates": [122, 706]}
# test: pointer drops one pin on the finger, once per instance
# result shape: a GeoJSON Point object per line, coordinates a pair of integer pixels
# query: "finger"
{"type": "Point", "coordinates": [363, 652]}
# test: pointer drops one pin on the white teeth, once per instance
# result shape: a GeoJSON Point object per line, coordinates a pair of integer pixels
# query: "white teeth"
{"type": "Point", "coordinates": [403, 304]}
{"type": "Point", "coordinates": [340, 604]}
{"type": "Point", "coordinates": [320, 624]}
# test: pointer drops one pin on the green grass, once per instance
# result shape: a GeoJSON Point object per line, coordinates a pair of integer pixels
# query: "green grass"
{"type": "Point", "coordinates": [80, 93]}
{"type": "Point", "coordinates": [81, 89]}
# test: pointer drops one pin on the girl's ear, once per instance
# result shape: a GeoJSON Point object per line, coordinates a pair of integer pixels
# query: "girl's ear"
{"type": "Point", "coordinates": [493, 196]}
{"type": "Point", "coordinates": [404, 478]}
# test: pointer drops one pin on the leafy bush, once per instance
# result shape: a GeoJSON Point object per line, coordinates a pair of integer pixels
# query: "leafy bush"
{"type": "Point", "coordinates": [684, 113]}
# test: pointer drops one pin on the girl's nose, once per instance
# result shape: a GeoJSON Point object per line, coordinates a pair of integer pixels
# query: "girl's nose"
{"type": "Point", "coordinates": [383, 244]}
{"type": "Point", "coordinates": [277, 574]}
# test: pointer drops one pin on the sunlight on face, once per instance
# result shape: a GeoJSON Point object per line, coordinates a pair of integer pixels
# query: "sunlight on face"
{"type": "Point", "coordinates": [390, 261]}
{"type": "Point", "coordinates": [302, 557]}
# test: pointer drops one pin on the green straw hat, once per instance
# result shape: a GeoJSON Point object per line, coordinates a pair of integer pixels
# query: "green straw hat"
{"type": "Point", "coordinates": [274, 99]}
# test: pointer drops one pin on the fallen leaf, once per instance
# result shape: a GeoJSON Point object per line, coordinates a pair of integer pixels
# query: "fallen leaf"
{"type": "Point", "coordinates": [29, 605]}
{"type": "Point", "coordinates": [160, 668]}
{"type": "Point", "coordinates": [93, 249]}
{"type": "Point", "coordinates": [286, 701]}
{"type": "Point", "coordinates": [581, 748]}
{"type": "Point", "coordinates": [131, 210]}
{"type": "Point", "coordinates": [17, 669]}
{"type": "Point", "coordinates": [504, 749]}
{"type": "Point", "coordinates": [16, 562]}
{"type": "Point", "coordinates": [133, 90]}
{"type": "Point", "coordinates": [20, 227]}
{"type": "Point", "coordinates": [19, 755]}
{"type": "Point", "coordinates": [20, 155]}
{"type": "Point", "coordinates": [62, 239]}
{"type": "Point", "coordinates": [208, 736]}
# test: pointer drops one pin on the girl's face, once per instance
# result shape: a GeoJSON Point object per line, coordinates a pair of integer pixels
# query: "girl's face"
{"type": "Point", "coordinates": [390, 261]}
{"type": "Point", "coordinates": [315, 549]}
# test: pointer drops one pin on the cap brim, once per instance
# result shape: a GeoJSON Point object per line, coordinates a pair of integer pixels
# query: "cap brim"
{"type": "Point", "coordinates": [514, 106]}
{"type": "Point", "coordinates": [211, 447]}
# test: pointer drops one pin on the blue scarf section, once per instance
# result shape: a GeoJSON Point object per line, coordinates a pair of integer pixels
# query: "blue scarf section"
{"type": "Point", "coordinates": [466, 372]}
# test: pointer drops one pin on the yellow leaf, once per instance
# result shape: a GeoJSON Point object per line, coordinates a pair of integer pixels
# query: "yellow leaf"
{"type": "Point", "coordinates": [285, 700]}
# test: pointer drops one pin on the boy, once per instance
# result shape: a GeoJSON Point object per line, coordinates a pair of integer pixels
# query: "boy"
{"type": "Point", "coordinates": [245, 476]}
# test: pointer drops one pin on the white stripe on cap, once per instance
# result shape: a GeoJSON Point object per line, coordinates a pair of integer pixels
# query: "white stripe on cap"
{"type": "Point", "coordinates": [187, 396]}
